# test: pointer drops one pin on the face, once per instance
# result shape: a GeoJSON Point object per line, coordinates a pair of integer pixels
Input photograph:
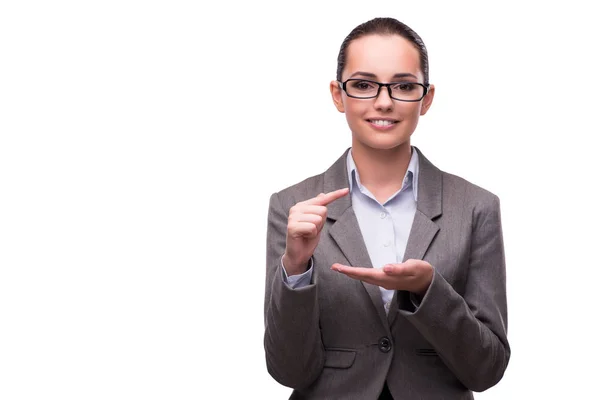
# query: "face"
{"type": "Point", "coordinates": [381, 122]}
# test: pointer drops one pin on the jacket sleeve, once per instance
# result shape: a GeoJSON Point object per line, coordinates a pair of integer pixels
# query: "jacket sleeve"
{"type": "Point", "coordinates": [470, 333]}
{"type": "Point", "coordinates": [293, 348]}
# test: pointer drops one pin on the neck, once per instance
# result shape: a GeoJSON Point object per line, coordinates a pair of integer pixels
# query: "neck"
{"type": "Point", "coordinates": [381, 170]}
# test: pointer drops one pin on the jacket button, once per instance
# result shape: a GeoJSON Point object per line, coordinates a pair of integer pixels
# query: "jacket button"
{"type": "Point", "coordinates": [385, 344]}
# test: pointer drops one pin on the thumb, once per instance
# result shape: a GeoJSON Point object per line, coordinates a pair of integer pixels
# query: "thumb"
{"type": "Point", "coordinates": [392, 269]}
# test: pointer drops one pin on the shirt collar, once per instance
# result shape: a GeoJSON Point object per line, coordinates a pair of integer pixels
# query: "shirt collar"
{"type": "Point", "coordinates": [412, 171]}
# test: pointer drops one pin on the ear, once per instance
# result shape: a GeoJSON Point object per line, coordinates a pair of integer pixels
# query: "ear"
{"type": "Point", "coordinates": [336, 95]}
{"type": "Point", "coordinates": [427, 100]}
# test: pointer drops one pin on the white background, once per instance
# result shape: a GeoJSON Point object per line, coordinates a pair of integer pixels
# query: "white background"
{"type": "Point", "coordinates": [140, 142]}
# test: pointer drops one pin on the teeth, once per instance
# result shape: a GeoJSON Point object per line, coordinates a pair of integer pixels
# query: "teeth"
{"type": "Point", "coordinates": [381, 122]}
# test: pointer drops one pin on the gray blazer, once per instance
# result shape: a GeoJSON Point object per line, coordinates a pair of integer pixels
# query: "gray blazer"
{"type": "Point", "coordinates": [333, 339]}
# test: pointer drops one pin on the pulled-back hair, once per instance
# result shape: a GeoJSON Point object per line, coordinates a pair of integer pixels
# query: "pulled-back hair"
{"type": "Point", "coordinates": [384, 26]}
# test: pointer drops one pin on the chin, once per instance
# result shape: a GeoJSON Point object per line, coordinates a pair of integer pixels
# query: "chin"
{"type": "Point", "coordinates": [383, 141]}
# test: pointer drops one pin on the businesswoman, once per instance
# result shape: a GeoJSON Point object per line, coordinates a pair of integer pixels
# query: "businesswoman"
{"type": "Point", "coordinates": [385, 276]}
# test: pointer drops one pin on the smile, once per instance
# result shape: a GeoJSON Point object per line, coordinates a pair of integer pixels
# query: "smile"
{"type": "Point", "coordinates": [382, 123]}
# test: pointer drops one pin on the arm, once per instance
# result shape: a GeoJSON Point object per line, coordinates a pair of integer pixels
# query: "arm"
{"type": "Point", "coordinates": [293, 347]}
{"type": "Point", "coordinates": [469, 333]}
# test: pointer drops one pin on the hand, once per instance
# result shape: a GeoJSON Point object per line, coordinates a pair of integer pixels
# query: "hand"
{"type": "Point", "coordinates": [412, 275]}
{"type": "Point", "coordinates": [305, 221]}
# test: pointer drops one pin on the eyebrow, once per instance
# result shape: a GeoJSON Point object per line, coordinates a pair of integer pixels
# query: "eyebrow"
{"type": "Point", "coordinates": [371, 75]}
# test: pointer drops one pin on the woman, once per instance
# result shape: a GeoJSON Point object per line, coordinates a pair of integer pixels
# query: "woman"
{"type": "Point", "coordinates": [385, 276]}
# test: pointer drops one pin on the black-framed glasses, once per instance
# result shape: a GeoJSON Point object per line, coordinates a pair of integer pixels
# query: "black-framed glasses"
{"type": "Point", "coordinates": [402, 91]}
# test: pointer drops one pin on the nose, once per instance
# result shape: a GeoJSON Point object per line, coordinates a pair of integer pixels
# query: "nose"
{"type": "Point", "coordinates": [383, 101]}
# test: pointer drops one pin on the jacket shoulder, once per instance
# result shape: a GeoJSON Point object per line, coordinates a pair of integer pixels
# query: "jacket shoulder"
{"type": "Point", "coordinates": [476, 196]}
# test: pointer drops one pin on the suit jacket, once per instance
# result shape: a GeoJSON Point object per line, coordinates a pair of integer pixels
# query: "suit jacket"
{"type": "Point", "coordinates": [333, 339]}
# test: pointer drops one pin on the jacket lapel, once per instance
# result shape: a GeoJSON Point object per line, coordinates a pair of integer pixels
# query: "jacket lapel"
{"type": "Point", "coordinates": [345, 231]}
{"type": "Point", "coordinates": [424, 229]}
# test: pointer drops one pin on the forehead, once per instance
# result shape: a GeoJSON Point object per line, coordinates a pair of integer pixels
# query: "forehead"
{"type": "Point", "coordinates": [382, 55]}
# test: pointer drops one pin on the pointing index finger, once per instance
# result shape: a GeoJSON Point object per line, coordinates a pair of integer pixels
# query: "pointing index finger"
{"type": "Point", "coordinates": [325, 198]}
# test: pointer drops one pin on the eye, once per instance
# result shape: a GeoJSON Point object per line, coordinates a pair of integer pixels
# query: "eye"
{"type": "Point", "coordinates": [364, 86]}
{"type": "Point", "coordinates": [405, 87]}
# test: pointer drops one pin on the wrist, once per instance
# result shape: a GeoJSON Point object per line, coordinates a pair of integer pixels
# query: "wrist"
{"type": "Point", "coordinates": [294, 268]}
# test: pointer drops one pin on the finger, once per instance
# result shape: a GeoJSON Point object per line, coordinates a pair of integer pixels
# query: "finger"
{"type": "Point", "coordinates": [312, 218]}
{"type": "Point", "coordinates": [369, 279]}
{"type": "Point", "coordinates": [332, 196]}
{"type": "Point", "coordinates": [375, 282]}
{"type": "Point", "coordinates": [396, 270]}
{"type": "Point", "coordinates": [340, 267]}
{"type": "Point", "coordinates": [378, 281]}
{"type": "Point", "coordinates": [309, 209]}
{"type": "Point", "coordinates": [359, 272]}
{"type": "Point", "coordinates": [325, 198]}
{"type": "Point", "coordinates": [306, 229]}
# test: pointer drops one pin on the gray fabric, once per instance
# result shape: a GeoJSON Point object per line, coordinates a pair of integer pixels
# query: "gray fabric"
{"type": "Point", "coordinates": [323, 340]}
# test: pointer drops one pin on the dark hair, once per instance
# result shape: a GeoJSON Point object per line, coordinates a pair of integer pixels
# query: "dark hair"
{"type": "Point", "coordinates": [384, 26]}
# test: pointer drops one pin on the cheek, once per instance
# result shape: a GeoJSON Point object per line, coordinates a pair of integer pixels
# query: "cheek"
{"type": "Point", "coordinates": [354, 112]}
{"type": "Point", "coordinates": [353, 122]}
{"type": "Point", "coordinates": [411, 111]}
{"type": "Point", "coordinates": [355, 109]}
